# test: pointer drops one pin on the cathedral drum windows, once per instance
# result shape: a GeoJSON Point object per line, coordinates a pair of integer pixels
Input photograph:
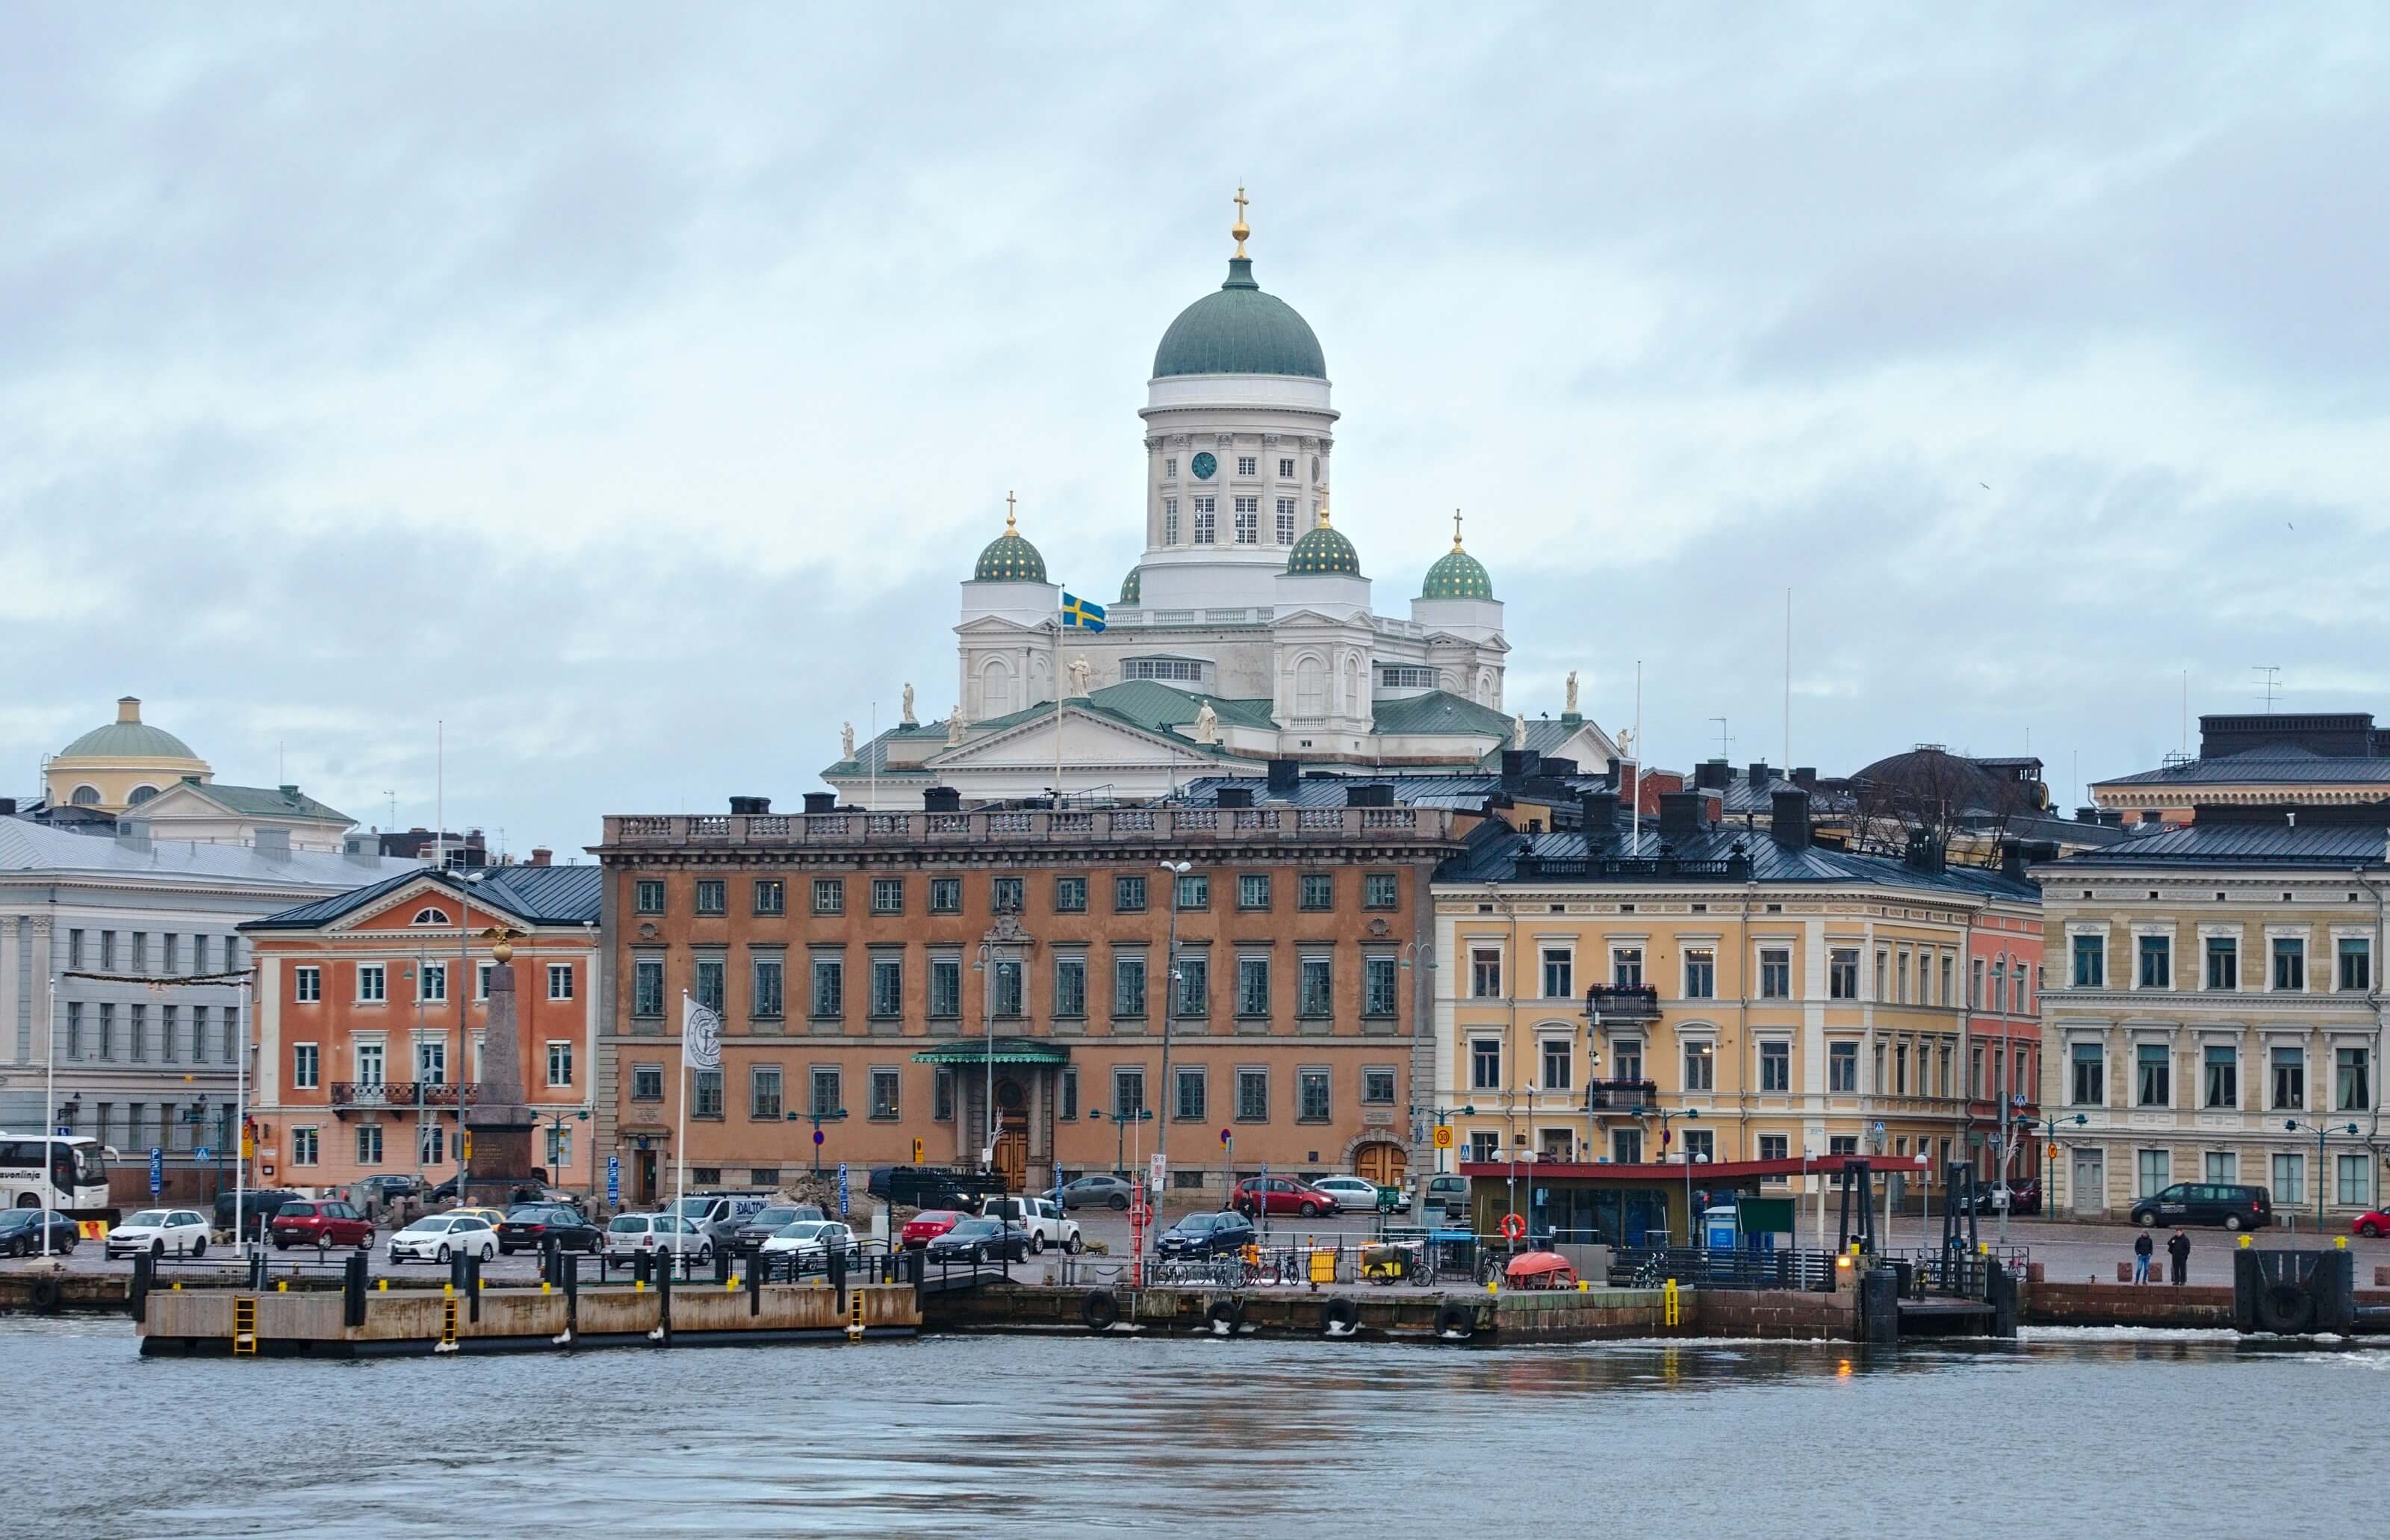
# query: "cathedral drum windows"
{"type": "Point", "coordinates": [1286, 520]}
{"type": "Point", "coordinates": [1205, 521]}
{"type": "Point", "coordinates": [1249, 520]}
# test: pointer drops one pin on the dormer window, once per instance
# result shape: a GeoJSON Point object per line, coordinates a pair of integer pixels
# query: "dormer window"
{"type": "Point", "coordinates": [430, 916]}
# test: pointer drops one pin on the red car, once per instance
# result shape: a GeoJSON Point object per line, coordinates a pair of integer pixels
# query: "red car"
{"type": "Point", "coordinates": [927, 1225]}
{"type": "Point", "coordinates": [1281, 1195]}
{"type": "Point", "coordinates": [2371, 1224]}
{"type": "Point", "coordinates": [321, 1222]}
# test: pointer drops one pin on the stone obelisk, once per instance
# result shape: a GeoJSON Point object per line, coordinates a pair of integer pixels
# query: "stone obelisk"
{"type": "Point", "coordinates": [500, 1120]}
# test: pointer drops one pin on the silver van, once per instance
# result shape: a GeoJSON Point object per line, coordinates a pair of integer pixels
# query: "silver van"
{"type": "Point", "coordinates": [718, 1215]}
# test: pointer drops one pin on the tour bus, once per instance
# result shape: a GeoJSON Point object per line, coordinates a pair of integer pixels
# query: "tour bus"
{"type": "Point", "coordinates": [69, 1174]}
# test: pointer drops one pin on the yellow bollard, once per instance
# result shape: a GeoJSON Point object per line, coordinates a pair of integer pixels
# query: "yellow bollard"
{"type": "Point", "coordinates": [638, 1286]}
{"type": "Point", "coordinates": [2247, 1241]}
{"type": "Point", "coordinates": [730, 1285]}
{"type": "Point", "coordinates": [282, 1285]}
{"type": "Point", "coordinates": [382, 1284]}
{"type": "Point", "coordinates": [482, 1283]}
{"type": "Point", "coordinates": [449, 1289]}
{"type": "Point", "coordinates": [178, 1286]}
{"type": "Point", "coordinates": [2340, 1242]}
{"type": "Point", "coordinates": [545, 1285]}
{"type": "Point", "coordinates": [1582, 1286]}
{"type": "Point", "coordinates": [1492, 1287]}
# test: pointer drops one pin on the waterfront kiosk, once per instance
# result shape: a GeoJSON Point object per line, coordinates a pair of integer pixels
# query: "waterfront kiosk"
{"type": "Point", "coordinates": [1645, 1205]}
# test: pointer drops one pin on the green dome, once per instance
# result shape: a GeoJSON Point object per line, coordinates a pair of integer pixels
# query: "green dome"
{"type": "Point", "coordinates": [1239, 329]}
{"type": "Point", "coordinates": [1457, 575]}
{"type": "Point", "coordinates": [127, 740]}
{"type": "Point", "coordinates": [1009, 559]}
{"type": "Point", "coordinates": [1133, 587]}
{"type": "Point", "coordinates": [1324, 552]}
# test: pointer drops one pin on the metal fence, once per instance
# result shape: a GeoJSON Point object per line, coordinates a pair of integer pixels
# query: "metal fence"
{"type": "Point", "coordinates": [1702, 1267]}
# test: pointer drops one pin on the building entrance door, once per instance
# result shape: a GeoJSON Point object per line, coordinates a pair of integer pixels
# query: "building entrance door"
{"type": "Point", "coordinates": [1381, 1164]}
{"type": "Point", "coordinates": [2091, 1185]}
{"type": "Point", "coordinates": [1012, 1135]}
{"type": "Point", "coordinates": [644, 1182]}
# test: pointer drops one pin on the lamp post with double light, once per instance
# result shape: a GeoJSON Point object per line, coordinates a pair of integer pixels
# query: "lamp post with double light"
{"type": "Point", "coordinates": [1691, 1114]}
{"type": "Point", "coordinates": [2319, 1130]}
{"type": "Point", "coordinates": [1172, 870]}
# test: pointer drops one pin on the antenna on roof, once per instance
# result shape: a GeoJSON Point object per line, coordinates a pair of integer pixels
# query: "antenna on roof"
{"type": "Point", "coordinates": [1723, 738]}
{"type": "Point", "coordinates": [2271, 693]}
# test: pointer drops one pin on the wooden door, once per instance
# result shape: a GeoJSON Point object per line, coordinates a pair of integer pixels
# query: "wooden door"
{"type": "Point", "coordinates": [1381, 1164]}
{"type": "Point", "coordinates": [1012, 1156]}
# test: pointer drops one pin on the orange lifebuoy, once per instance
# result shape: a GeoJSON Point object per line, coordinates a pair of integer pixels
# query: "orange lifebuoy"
{"type": "Point", "coordinates": [1514, 1227]}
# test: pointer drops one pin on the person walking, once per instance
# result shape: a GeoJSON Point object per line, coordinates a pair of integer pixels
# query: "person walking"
{"type": "Point", "coordinates": [2143, 1249]}
{"type": "Point", "coordinates": [2178, 1251]}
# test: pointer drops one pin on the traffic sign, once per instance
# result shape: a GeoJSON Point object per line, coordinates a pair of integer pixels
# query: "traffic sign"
{"type": "Point", "coordinates": [204, 1153]}
{"type": "Point", "coordinates": [466, 1151]}
{"type": "Point", "coordinates": [1224, 1135]}
{"type": "Point", "coordinates": [842, 1190]}
{"type": "Point", "coordinates": [1159, 1167]}
{"type": "Point", "coordinates": [64, 1132]}
{"type": "Point", "coordinates": [1444, 1135]}
{"type": "Point", "coordinates": [157, 1171]}
{"type": "Point", "coordinates": [614, 1181]}
{"type": "Point", "coordinates": [918, 1150]}
{"type": "Point", "coordinates": [818, 1137]}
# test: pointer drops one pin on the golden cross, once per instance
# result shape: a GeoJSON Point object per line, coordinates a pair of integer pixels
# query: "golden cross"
{"type": "Point", "coordinates": [1239, 230]}
{"type": "Point", "coordinates": [1456, 529]}
{"type": "Point", "coordinates": [1239, 200]}
{"type": "Point", "coordinates": [1008, 510]}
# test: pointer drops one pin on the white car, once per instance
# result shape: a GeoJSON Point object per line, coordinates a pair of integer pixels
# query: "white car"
{"type": "Point", "coordinates": [1042, 1217]}
{"type": "Point", "coordinates": [1353, 1194]}
{"type": "Point", "coordinates": [161, 1232]}
{"type": "Point", "coordinates": [812, 1241]}
{"type": "Point", "coordinates": [629, 1234]}
{"type": "Point", "coordinates": [439, 1236]}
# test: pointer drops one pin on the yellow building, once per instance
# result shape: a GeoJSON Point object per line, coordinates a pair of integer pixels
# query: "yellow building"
{"type": "Point", "coordinates": [1725, 994]}
{"type": "Point", "coordinates": [121, 765]}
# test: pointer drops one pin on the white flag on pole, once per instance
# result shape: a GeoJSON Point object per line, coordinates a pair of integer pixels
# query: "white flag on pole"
{"type": "Point", "coordinates": [701, 1035]}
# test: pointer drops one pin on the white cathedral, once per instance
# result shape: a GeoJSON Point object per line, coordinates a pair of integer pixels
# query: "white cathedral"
{"type": "Point", "coordinates": [1244, 633]}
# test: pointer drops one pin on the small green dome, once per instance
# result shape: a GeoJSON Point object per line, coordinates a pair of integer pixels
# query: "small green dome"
{"type": "Point", "coordinates": [127, 737]}
{"type": "Point", "coordinates": [1323, 552]}
{"type": "Point", "coordinates": [1133, 587]}
{"type": "Point", "coordinates": [1009, 559]}
{"type": "Point", "coordinates": [1457, 575]}
{"type": "Point", "coordinates": [1239, 329]}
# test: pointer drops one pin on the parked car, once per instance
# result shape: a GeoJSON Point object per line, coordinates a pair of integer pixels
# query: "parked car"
{"type": "Point", "coordinates": [527, 1227]}
{"type": "Point", "coordinates": [1213, 1233]}
{"type": "Point", "coordinates": [629, 1234]}
{"type": "Point", "coordinates": [257, 1206]}
{"type": "Point", "coordinates": [765, 1222]}
{"type": "Point", "coordinates": [1447, 1197]}
{"type": "Point", "coordinates": [1353, 1194]}
{"type": "Point", "coordinates": [718, 1215]}
{"type": "Point", "coordinates": [2371, 1224]}
{"type": "Point", "coordinates": [930, 1187]}
{"type": "Point", "coordinates": [812, 1240]}
{"type": "Point", "coordinates": [161, 1232]}
{"type": "Point", "coordinates": [1112, 1192]}
{"type": "Point", "coordinates": [321, 1223]}
{"type": "Point", "coordinates": [387, 1188]}
{"type": "Point", "coordinates": [1041, 1217]}
{"type": "Point", "coordinates": [981, 1240]}
{"type": "Point", "coordinates": [1257, 1195]}
{"type": "Point", "coordinates": [927, 1225]}
{"type": "Point", "coordinates": [21, 1233]}
{"type": "Point", "coordinates": [440, 1237]}
{"type": "Point", "coordinates": [2235, 1206]}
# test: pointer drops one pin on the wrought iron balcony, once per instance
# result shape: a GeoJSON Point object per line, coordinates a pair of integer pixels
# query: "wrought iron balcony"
{"type": "Point", "coordinates": [1621, 1096]}
{"type": "Point", "coordinates": [1622, 1003]}
{"type": "Point", "coordinates": [399, 1094]}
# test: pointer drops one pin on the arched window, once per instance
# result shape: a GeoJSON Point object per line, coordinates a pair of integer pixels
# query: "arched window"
{"type": "Point", "coordinates": [1310, 688]}
{"type": "Point", "coordinates": [430, 916]}
{"type": "Point", "coordinates": [85, 796]}
{"type": "Point", "coordinates": [995, 688]}
{"type": "Point", "coordinates": [140, 795]}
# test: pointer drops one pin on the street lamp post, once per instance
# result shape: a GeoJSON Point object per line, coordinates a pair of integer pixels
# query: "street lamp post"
{"type": "Point", "coordinates": [818, 1117]}
{"type": "Point", "coordinates": [2049, 1142]}
{"type": "Point", "coordinates": [1120, 1130]}
{"type": "Point", "coordinates": [1174, 871]}
{"type": "Point", "coordinates": [556, 1122]}
{"type": "Point", "coordinates": [1691, 1114]}
{"type": "Point", "coordinates": [2319, 1130]}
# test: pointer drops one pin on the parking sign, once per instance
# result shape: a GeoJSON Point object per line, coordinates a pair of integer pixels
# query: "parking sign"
{"type": "Point", "coordinates": [157, 1171]}
{"type": "Point", "coordinates": [842, 1190]}
{"type": "Point", "coordinates": [614, 1181]}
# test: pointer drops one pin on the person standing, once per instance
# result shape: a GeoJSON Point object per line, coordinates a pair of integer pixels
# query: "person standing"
{"type": "Point", "coordinates": [2178, 1251]}
{"type": "Point", "coordinates": [2143, 1249]}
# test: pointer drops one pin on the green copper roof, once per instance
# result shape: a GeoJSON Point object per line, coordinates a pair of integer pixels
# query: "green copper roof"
{"type": "Point", "coordinates": [1239, 329]}
{"type": "Point", "coordinates": [127, 740]}
{"type": "Point", "coordinates": [269, 801]}
{"type": "Point", "coordinates": [1009, 559]}
{"type": "Point", "coordinates": [1002, 1050]}
{"type": "Point", "coordinates": [1323, 551]}
{"type": "Point", "coordinates": [1439, 712]}
{"type": "Point", "coordinates": [1133, 585]}
{"type": "Point", "coordinates": [1457, 575]}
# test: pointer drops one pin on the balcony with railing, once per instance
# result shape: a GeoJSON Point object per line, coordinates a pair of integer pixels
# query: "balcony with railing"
{"type": "Point", "coordinates": [1621, 1096]}
{"type": "Point", "coordinates": [1607, 1003]}
{"type": "Point", "coordinates": [399, 1096]}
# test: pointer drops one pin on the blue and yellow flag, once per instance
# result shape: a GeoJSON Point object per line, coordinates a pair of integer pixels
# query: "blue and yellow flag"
{"type": "Point", "coordinates": [1085, 614]}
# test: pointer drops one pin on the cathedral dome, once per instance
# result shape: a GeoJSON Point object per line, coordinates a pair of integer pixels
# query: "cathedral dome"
{"type": "Point", "coordinates": [127, 737]}
{"type": "Point", "coordinates": [1239, 329]}
{"type": "Point", "coordinates": [1009, 559]}
{"type": "Point", "coordinates": [1323, 553]}
{"type": "Point", "coordinates": [1456, 575]}
{"type": "Point", "coordinates": [1132, 587]}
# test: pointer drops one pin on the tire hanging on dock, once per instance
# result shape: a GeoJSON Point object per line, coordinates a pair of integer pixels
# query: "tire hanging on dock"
{"type": "Point", "coordinates": [1339, 1315]}
{"type": "Point", "coordinates": [48, 1297]}
{"type": "Point", "coordinates": [1225, 1317]}
{"type": "Point", "coordinates": [1099, 1311]}
{"type": "Point", "coordinates": [1456, 1320]}
{"type": "Point", "coordinates": [2285, 1308]}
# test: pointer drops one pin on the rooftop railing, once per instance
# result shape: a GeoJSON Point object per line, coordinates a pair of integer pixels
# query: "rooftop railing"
{"type": "Point", "coordinates": [1143, 825]}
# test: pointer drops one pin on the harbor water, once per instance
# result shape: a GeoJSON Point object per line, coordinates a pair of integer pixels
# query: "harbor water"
{"type": "Point", "coordinates": [2105, 1434]}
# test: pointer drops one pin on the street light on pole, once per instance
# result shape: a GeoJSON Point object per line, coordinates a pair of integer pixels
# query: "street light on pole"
{"type": "Point", "coordinates": [1174, 871]}
{"type": "Point", "coordinates": [2319, 1130]}
{"type": "Point", "coordinates": [1691, 1114]}
{"type": "Point", "coordinates": [817, 1118]}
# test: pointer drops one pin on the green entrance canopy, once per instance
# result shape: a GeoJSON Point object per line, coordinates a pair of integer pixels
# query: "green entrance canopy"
{"type": "Point", "coordinates": [1003, 1050]}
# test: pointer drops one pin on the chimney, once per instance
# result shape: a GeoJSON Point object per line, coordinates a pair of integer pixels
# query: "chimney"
{"type": "Point", "coordinates": [1680, 813]}
{"type": "Point", "coordinates": [8, 807]}
{"type": "Point", "coordinates": [274, 843]}
{"type": "Point", "coordinates": [1711, 774]}
{"type": "Point", "coordinates": [1601, 814]}
{"type": "Point", "coordinates": [1519, 763]}
{"type": "Point", "coordinates": [290, 793]}
{"type": "Point", "coordinates": [1923, 854]}
{"type": "Point", "coordinates": [1284, 775]}
{"type": "Point", "coordinates": [1233, 796]}
{"type": "Point", "coordinates": [1788, 819]}
{"type": "Point", "coordinates": [2013, 860]}
{"type": "Point", "coordinates": [134, 833]}
{"type": "Point", "coordinates": [1369, 794]}
{"type": "Point", "coordinates": [1557, 768]}
{"type": "Point", "coordinates": [821, 802]}
{"type": "Point", "coordinates": [941, 799]}
{"type": "Point", "coordinates": [128, 708]}
{"type": "Point", "coordinates": [1805, 778]}
{"type": "Point", "coordinates": [1760, 773]}
{"type": "Point", "coordinates": [750, 805]}
{"type": "Point", "coordinates": [542, 856]}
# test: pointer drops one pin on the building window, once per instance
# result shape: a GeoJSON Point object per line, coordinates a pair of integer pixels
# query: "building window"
{"type": "Point", "coordinates": [1775, 974]}
{"type": "Point", "coordinates": [887, 986]}
{"type": "Point", "coordinates": [647, 896]}
{"type": "Point", "coordinates": [1843, 1067]}
{"type": "Point", "coordinates": [1169, 469]}
{"type": "Point", "coordinates": [1194, 985]}
{"type": "Point", "coordinates": [2156, 955]}
{"type": "Point", "coordinates": [74, 950]}
{"type": "Point", "coordinates": [1775, 1147]}
{"type": "Point", "coordinates": [305, 1064]}
{"type": "Point", "coordinates": [1070, 1111]}
{"type": "Point", "coordinates": [2154, 1169]}
{"type": "Point", "coordinates": [2290, 1184]}
{"type": "Point", "coordinates": [1559, 1055]}
{"type": "Point", "coordinates": [1204, 521]}
{"type": "Point", "coordinates": [2223, 963]}
{"type": "Point", "coordinates": [1286, 520]}
{"type": "Point", "coordinates": [1378, 986]}
{"type": "Point", "coordinates": [647, 987]}
{"type": "Point", "coordinates": [647, 1083]}
{"type": "Point", "coordinates": [2090, 962]}
{"type": "Point", "coordinates": [1315, 891]}
{"type": "Point", "coordinates": [1128, 896]}
{"type": "Point", "coordinates": [1316, 993]}
{"type": "Point", "coordinates": [2352, 1085]}
{"type": "Point", "coordinates": [1170, 521]}
{"type": "Point", "coordinates": [1128, 986]}
{"type": "Point", "coordinates": [945, 987]}
{"type": "Point", "coordinates": [942, 1094]}
{"type": "Point", "coordinates": [2223, 1165]}
{"type": "Point", "coordinates": [1484, 973]}
{"type": "Point", "coordinates": [829, 896]}
{"type": "Point", "coordinates": [1194, 892]}
{"type": "Point", "coordinates": [763, 1093]}
{"type": "Point", "coordinates": [2290, 1067]}
{"type": "Point", "coordinates": [1128, 1094]}
{"type": "Point", "coordinates": [2089, 1088]}
{"type": "Point", "coordinates": [1253, 891]}
{"type": "Point", "coordinates": [830, 988]}
{"type": "Point", "coordinates": [1070, 895]}
{"type": "Point", "coordinates": [1701, 973]}
{"type": "Point", "coordinates": [1253, 1096]}
{"type": "Point", "coordinates": [1070, 986]}
{"type": "Point", "coordinates": [1701, 1147]}
{"type": "Point", "coordinates": [887, 895]}
{"type": "Point", "coordinates": [369, 1063]}
{"type": "Point", "coordinates": [1776, 1067]}
{"type": "Point", "coordinates": [559, 1064]}
{"type": "Point", "coordinates": [1626, 1059]}
{"type": "Point", "coordinates": [2355, 1174]}
{"type": "Point", "coordinates": [708, 988]}
{"type": "Point", "coordinates": [945, 895]}
{"type": "Point", "coordinates": [771, 988]}
{"type": "Point", "coordinates": [1626, 1147]}
{"type": "Point", "coordinates": [1253, 986]}
{"type": "Point", "coordinates": [307, 984]}
{"type": "Point", "coordinates": [1560, 974]}
{"type": "Point", "coordinates": [1007, 987]}
{"type": "Point", "coordinates": [2356, 963]}
{"type": "Point", "coordinates": [1486, 1064]}
{"type": "Point", "coordinates": [829, 1093]}
{"type": "Point", "coordinates": [373, 984]}
{"type": "Point", "coordinates": [1007, 895]}
{"type": "Point", "coordinates": [1249, 520]}
{"type": "Point", "coordinates": [1404, 676]}
{"type": "Point", "coordinates": [2223, 1063]}
{"type": "Point", "coordinates": [431, 1061]}
{"type": "Point", "coordinates": [1701, 1066]}
{"type": "Point", "coordinates": [1311, 1096]}
{"type": "Point", "coordinates": [1842, 973]}
{"type": "Point", "coordinates": [1627, 966]}
{"type": "Point", "coordinates": [2153, 1084]}
{"type": "Point", "coordinates": [1377, 1086]}
{"type": "Point", "coordinates": [1190, 1105]}
{"type": "Point", "coordinates": [368, 1144]}
{"type": "Point", "coordinates": [1379, 891]}
{"type": "Point", "coordinates": [2290, 962]}
{"type": "Point", "coordinates": [713, 896]}
{"type": "Point", "coordinates": [1245, 465]}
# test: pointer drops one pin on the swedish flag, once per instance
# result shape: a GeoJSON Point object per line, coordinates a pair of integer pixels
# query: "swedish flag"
{"type": "Point", "coordinates": [1085, 614]}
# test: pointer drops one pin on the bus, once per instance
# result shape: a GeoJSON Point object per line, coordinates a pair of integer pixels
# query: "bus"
{"type": "Point", "coordinates": [68, 1173]}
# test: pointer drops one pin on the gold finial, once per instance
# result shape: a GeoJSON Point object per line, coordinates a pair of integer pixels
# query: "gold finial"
{"type": "Point", "coordinates": [501, 939]}
{"type": "Point", "coordinates": [1323, 510]}
{"type": "Point", "coordinates": [1008, 513]}
{"type": "Point", "coordinates": [1456, 530]}
{"type": "Point", "coordinates": [1239, 228]}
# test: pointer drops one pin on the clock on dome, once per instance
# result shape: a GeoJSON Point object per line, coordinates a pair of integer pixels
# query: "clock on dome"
{"type": "Point", "coordinates": [1204, 465]}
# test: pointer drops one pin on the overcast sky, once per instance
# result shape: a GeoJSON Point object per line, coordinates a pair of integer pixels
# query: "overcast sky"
{"type": "Point", "coordinates": [629, 386]}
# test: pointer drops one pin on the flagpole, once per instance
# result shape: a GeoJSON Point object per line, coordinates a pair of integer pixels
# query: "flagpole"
{"type": "Point", "coordinates": [1057, 697]}
{"type": "Point", "coordinates": [680, 1140]}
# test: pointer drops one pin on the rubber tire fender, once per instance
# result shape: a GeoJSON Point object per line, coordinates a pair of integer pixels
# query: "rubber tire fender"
{"type": "Point", "coordinates": [1456, 1319]}
{"type": "Point", "coordinates": [1339, 1315]}
{"type": "Point", "coordinates": [2287, 1309]}
{"type": "Point", "coordinates": [1225, 1313]}
{"type": "Point", "coordinates": [1099, 1311]}
{"type": "Point", "coordinates": [47, 1298]}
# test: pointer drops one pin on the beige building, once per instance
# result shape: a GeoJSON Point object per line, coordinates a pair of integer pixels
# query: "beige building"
{"type": "Point", "coordinates": [2215, 1013]}
{"type": "Point", "coordinates": [120, 764]}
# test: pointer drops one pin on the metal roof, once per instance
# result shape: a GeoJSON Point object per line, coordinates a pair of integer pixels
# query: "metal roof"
{"type": "Point", "coordinates": [2280, 765]}
{"type": "Point", "coordinates": [2244, 844]}
{"type": "Point", "coordinates": [1441, 713]}
{"type": "Point", "coordinates": [26, 846]}
{"type": "Point", "coordinates": [260, 801]}
{"type": "Point", "coordinates": [1494, 851]}
{"type": "Point", "coordinates": [541, 896]}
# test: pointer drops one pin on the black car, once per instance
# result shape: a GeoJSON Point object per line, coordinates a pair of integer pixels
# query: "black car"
{"type": "Point", "coordinates": [527, 1227]}
{"type": "Point", "coordinates": [2235, 1206]}
{"type": "Point", "coordinates": [930, 1188]}
{"type": "Point", "coordinates": [978, 1241]}
{"type": "Point", "coordinates": [1205, 1235]}
{"type": "Point", "coordinates": [257, 1206]}
{"type": "Point", "coordinates": [21, 1233]}
{"type": "Point", "coordinates": [760, 1226]}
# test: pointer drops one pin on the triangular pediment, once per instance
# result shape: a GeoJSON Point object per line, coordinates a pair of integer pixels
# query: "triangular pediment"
{"type": "Point", "coordinates": [396, 910]}
{"type": "Point", "coordinates": [1090, 737]}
